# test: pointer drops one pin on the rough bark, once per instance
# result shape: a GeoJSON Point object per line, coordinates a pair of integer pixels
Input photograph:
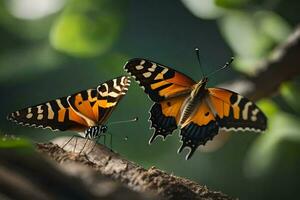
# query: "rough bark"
{"type": "Point", "coordinates": [28, 175]}
{"type": "Point", "coordinates": [152, 181]}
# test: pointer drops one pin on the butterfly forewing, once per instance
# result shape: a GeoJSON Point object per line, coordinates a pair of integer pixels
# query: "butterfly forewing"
{"type": "Point", "coordinates": [159, 82]}
{"type": "Point", "coordinates": [55, 114]}
{"type": "Point", "coordinates": [110, 94]}
{"type": "Point", "coordinates": [78, 111]}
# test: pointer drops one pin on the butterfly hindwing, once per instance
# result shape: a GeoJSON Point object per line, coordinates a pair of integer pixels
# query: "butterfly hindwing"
{"type": "Point", "coordinates": [236, 112]}
{"type": "Point", "coordinates": [200, 127]}
{"type": "Point", "coordinates": [75, 112]}
{"type": "Point", "coordinates": [220, 109]}
{"type": "Point", "coordinates": [164, 116]}
{"type": "Point", "coordinates": [159, 82]}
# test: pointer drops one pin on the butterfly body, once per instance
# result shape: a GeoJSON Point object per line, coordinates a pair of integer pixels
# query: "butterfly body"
{"type": "Point", "coordinates": [86, 111]}
{"type": "Point", "coordinates": [198, 111]}
{"type": "Point", "coordinates": [192, 101]}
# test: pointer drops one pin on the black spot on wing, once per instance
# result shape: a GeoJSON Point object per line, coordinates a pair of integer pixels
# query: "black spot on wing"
{"type": "Point", "coordinates": [194, 135]}
{"type": "Point", "coordinates": [163, 125]}
{"type": "Point", "coordinates": [233, 98]}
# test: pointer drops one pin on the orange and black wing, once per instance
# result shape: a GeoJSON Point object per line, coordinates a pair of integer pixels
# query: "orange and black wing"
{"type": "Point", "coordinates": [96, 105]}
{"type": "Point", "coordinates": [165, 86]}
{"type": "Point", "coordinates": [164, 116]}
{"type": "Point", "coordinates": [220, 109]}
{"type": "Point", "coordinates": [56, 115]}
{"type": "Point", "coordinates": [200, 127]}
{"type": "Point", "coordinates": [75, 112]}
{"type": "Point", "coordinates": [235, 112]}
{"type": "Point", "coordinates": [159, 82]}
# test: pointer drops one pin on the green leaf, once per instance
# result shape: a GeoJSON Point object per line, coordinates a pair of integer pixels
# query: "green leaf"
{"type": "Point", "coordinates": [291, 94]}
{"type": "Point", "coordinates": [268, 107]}
{"type": "Point", "coordinates": [231, 3]}
{"type": "Point", "coordinates": [87, 28]}
{"type": "Point", "coordinates": [242, 32]}
{"type": "Point", "coordinates": [282, 127]}
{"type": "Point", "coordinates": [205, 9]}
{"type": "Point", "coordinates": [14, 143]}
{"type": "Point", "coordinates": [273, 25]}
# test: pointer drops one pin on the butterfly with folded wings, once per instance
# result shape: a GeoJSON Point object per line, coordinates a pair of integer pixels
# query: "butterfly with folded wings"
{"type": "Point", "coordinates": [200, 112]}
{"type": "Point", "coordinates": [85, 112]}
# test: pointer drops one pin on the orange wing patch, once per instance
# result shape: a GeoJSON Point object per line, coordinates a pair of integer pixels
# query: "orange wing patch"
{"type": "Point", "coordinates": [198, 129]}
{"type": "Point", "coordinates": [201, 117]}
{"type": "Point", "coordinates": [83, 108]}
{"type": "Point", "coordinates": [171, 107]}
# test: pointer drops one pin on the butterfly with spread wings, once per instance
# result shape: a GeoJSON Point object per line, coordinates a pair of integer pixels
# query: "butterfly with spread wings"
{"type": "Point", "coordinates": [85, 112]}
{"type": "Point", "coordinates": [200, 112]}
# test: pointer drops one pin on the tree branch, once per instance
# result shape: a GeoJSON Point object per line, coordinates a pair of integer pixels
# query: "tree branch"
{"type": "Point", "coordinates": [281, 66]}
{"type": "Point", "coordinates": [27, 175]}
{"type": "Point", "coordinates": [112, 165]}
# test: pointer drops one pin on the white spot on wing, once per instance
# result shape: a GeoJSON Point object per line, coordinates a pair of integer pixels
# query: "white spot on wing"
{"type": "Point", "coordinates": [39, 109]}
{"type": "Point", "coordinates": [50, 111]}
{"type": "Point", "coordinates": [245, 110]}
{"type": "Point", "coordinates": [152, 68]}
{"type": "Point", "coordinates": [40, 117]}
{"type": "Point", "coordinates": [116, 86]}
{"type": "Point", "coordinates": [254, 113]}
{"type": "Point", "coordinates": [139, 67]}
{"type": "Point", "coordinates": [147, 74]}
{"type": "Point", "coordinates": [29, 115]}
{"type": "Point", "coordinates": [123, 80]}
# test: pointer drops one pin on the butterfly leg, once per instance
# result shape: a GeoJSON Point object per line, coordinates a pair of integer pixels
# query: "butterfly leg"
{"type": "Point", "coordinates": [73, 136]}
{"type": "Point", "coordinates": [96, 140]}
{"type": "Point", "coordinates": [68, 142]}
{"type": "Point", "coordinates": [86, 140]}
{"type": "Point", "coordinates": [111, 142]}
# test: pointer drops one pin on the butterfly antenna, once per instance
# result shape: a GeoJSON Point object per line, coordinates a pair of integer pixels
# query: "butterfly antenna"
{"type": "Point", "coordinates": [124, 121]}
{"type": "Point", "coordinates": [227, 64]}
{"type": "Point", "coordinates": [199, 61]}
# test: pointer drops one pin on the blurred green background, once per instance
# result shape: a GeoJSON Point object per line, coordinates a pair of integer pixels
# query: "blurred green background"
{"type": "Point", "coordinates": [53, 48]}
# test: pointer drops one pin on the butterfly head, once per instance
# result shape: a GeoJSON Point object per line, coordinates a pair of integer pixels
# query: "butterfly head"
{"type": "Point", "coordinates": [199, 88]}
{"type": "Point", "coordinates": [203, 81]}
